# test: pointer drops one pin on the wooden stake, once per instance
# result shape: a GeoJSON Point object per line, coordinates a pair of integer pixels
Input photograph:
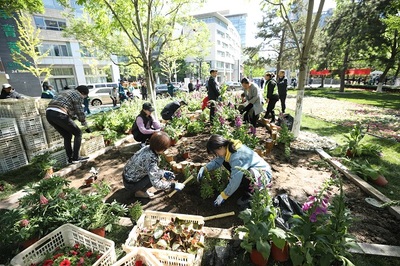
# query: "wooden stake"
{"type": "Point", "coordinates": [222, 215]}
{"type": "Point", "coordinates": [185, 182]}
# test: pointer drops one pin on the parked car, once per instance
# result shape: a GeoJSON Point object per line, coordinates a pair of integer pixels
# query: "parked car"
{"type": "Point", "coordinates": [163, 88]}
{"type": "Point", "coordinates": [234, 86]}
{"type": "Point", "coordinates": [100, 96]}
{"type": "Point", "coordinates": [102, 85]}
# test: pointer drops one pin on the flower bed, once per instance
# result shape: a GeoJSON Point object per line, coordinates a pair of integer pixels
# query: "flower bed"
{"type": "Point", "coordinates": [67, 235]}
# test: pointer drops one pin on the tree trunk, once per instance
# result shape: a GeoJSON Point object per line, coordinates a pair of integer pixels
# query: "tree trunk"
{"type": "Point", "coordinates": [345, 65]}
{"type": "Point", "coordinates": [300, 96]}
{"type": "Point", "coordinates": [280, 54]}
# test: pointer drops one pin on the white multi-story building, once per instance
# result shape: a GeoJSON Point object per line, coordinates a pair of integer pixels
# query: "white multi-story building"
{"type": "Point", "coordinates": [225, 51]}
{"type": "Point", "coordinates": [71, 64]}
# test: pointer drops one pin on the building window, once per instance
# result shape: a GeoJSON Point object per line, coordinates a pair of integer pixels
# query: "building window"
{"type": "Point", "coordinates": [56, 49]}
{"type": "Point", "coordinates": [49, 24]}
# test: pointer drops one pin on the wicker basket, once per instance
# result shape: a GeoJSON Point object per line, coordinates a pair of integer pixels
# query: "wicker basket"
{"type": "Point", "coordinates": [138, 254]}
{"type": "Point", "coordinates": [166, 257]}
{"type": "Point", "coordinates": [92, 145]}
{"type": "Point", "coordinates": [67, 235]}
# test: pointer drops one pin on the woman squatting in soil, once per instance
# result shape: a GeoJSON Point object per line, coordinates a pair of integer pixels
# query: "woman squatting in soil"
{"type": "Point", "coordinates": [233, 155]}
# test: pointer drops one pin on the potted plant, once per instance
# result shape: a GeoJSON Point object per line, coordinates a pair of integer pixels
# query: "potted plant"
{"type": "Point", "coordinates": [367, 171]}
{"type": "Point", "coordinates": [44, 163]}
{"type": "Point", "coordinates": [259, 228]}
{"type": "Point", "coordinates": [352, 146]}
{"type": "Point", "coordinates": [320, 236]}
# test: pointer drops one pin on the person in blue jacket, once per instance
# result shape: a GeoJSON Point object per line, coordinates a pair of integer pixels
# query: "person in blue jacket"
{"type": "Point", "coordinates": [232, 154]}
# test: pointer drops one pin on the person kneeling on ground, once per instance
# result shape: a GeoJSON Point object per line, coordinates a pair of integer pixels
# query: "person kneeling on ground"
{"type": "Point", "coordinates": [232, 154]}
{"type": "Point", "coordinates": [142, 171]}
{"type": "Point", "coordinates": [145, 125]}
{"type": "Point", "coordinates": [170, 109]}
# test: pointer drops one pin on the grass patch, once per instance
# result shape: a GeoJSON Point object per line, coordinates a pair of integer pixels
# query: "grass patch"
{"type": "Point", "coordinates": [384, 100]}
{"type": "Point", "coordinates": [389, 161]}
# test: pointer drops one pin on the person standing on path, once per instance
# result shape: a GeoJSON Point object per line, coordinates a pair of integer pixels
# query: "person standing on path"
{"type": "Point", "coordinates": [282, 89]}
{"type": "Point", "coordinates": [143, 89]}
{"type": "Point", "coordinates": [213, 92]}
{"type": "Point", "coordinates": [114, 96]}
{"type": "Point", "coordinates": [271, 97]}
{"type": "Point", "coordinates": [60, 112]}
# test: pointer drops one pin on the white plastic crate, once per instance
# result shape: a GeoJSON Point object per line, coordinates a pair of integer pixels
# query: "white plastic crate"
{"type": "Point", "coordinates": [67, 235]}
{"type": "Point", "coordinates": [41, 105]}
{"type": "Point", "coordinates": [10, 146]}
{"type": "Point", "coordinates": [30, 125]}
{"type": "Point", "coordinates": [59, 156]}
{"type": "Point", "coordinates": [33, 152]}
{"type": "Point", "coordinates": [12, 162]}
{"type": "Point", "coordinates": [18, 108]}
{"type": "Point", "coordinates": [8, 127]}
{"type": "Point", "coordinates": [54, 139]}
{"type": "Point", "coordinates": [136, 254]}
{"type": "Point", "coordinates": [35, 140]}
{"type": "Point", "coordinates": [166, 257]}
{"type": "Point", "coordinates": [92, 145]}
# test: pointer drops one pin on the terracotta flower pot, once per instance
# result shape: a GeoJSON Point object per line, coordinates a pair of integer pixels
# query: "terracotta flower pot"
{"type": "Point", "coordinates": [49, 173]}
{"type": "Point", "coordinates": [257, 258]}
{"type": "Point", "coordinates": [186, 155]}
{"type": "Point", "coordinates": [29, 242]}
{"type": "Point", "coordinates": [268, 146]}
{"type": "Point", "coordinates": [99, 231]}
{"type": "Point", "coordinates": [278, 254]}
{"type": "Point", "coordinates": [380, 181]}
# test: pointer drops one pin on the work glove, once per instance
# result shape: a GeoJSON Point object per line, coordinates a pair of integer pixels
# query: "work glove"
{"type": "Point", "coordinates": [200, 174]}
{"type": "Point", "coordinates": [88, 130]}
{"type": "Point", "coordinates": [169, 175]}
{"type": "Point", "coordinates": [218, 201]}
{"type": "Point", "coordinates": [179, 186]}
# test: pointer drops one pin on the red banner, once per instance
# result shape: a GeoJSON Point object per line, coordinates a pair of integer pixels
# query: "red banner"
{"type": "Point", "coordinates": [358, 71]}
{"type": "Point", "coordinates": [324, 72]}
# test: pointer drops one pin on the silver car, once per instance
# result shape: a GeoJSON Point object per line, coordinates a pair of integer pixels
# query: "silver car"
{"type": "Point", "coordinates": [99, 96]}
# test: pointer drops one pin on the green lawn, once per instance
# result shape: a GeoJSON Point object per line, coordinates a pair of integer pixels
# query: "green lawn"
{"type": "Point", "coordinates": [386, 100]}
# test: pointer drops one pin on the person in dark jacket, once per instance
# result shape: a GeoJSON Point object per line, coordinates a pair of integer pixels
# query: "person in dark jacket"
{"type": "Point", "coordinates": [213, 92]}
{"type": "Point", "coordinates": [171, 89]}
{"type": "Point", "coordinates": [145, 125]}
{"type": "Point", "coordinates": [282, 89]}
{"type": "Point", "coordinates": [60, 113]}
{"type": "Point", "coordinates": [190, 86]}
{"type": "Point", "coordinates": [170, 109]}
{"type": "Point", "coordinates": [48, 91]}
{"type": "Point", "coordinates": [8, 92]}
{"type": "Point", "coordinates": [271, 97]}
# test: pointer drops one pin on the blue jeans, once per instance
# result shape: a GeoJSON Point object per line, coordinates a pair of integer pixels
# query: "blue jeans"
{"type": "Point", "coordinates": [67, 128]}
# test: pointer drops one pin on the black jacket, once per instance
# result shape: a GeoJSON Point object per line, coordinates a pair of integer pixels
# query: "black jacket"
{"type": "Point", "coordinates": [169, 110]}
{"type": "Point", "coordinates": [12, 95]}
{"type": "Point", "coordinates": [213, 89]}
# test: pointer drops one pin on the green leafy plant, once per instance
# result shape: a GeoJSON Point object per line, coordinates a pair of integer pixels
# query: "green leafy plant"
{"type": "Point", "coordinates": [43, 162]}
{"type": "Point", "coordinates": [320, 236]}
{"type": "Point", "coordinates": [195, 127]}
{"type": "Point", "coordinates": [364, 169]}
{"type": "Point", "coordinates": [259, 227]}
{"type": "Point", "coordinates": [285, 137]}
{"type": "Point", "coordinates": [213, 182]}
{"type": "Point", "coordinates": [135, 211]}
{"type": "Point", "coordinates": [354, 147]}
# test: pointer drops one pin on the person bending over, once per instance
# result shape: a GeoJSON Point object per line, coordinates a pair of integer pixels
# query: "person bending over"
{"type": "Point", "coordinates": [170, 109]}
{"type": "Point", "coordinates": [232, 154]}
{"type": "Point", "coordinates": [142, 172]}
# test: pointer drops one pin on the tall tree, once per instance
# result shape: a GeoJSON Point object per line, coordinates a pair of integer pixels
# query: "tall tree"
{"type": "Point", "coordinates": [12, 6]}
{"type": "Point", "coordinates": [27, 53]}
{"type": "Point", "coordinates": [137, 29]}
{"type": "Point", "coordinates": [303, 44]}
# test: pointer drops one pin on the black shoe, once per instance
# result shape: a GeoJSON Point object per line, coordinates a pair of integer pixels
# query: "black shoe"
{"type": "Point", "coordinates": [78, 160]}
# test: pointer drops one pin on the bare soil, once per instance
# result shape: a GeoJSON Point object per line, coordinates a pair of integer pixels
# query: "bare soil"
{"type": "Point", "coordinates": [298, 177]}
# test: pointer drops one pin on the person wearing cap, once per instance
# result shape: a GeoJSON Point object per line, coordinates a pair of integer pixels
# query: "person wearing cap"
{"type": "Point", "coordinates": [213, 92]}
{"type": "Point", "coordinates": [170, 109]}
{"type": "Point", "coordinates": [60, 113]}
{"type": "Point", "coordinates": [8, 92]}
{"type": "Point", "coordinates": [145, 125]}
{"type": "Point", "coordinates": [142, 171]}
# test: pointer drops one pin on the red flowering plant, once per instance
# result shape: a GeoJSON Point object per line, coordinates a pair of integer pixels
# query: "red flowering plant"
{"type": "Point", "coordinates": [78, 255]}
{"type": "Point", "coordinates": [320, 236]}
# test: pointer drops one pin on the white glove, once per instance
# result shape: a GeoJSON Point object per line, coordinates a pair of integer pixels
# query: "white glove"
{"type": "Point", "coordinates": [200, 174]}
{"type": "Point", "coordinates": [179, 186]}
{"type": "Point", "coordinates": [218, 201]}
{"type": "Point", "coordinates": [169, 175]}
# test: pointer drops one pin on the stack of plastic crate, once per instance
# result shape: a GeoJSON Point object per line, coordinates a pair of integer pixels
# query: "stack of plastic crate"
{"type": "Point", "coordinates": [54, 139]}
{"type": "Point", "coordinates": [12, 153]}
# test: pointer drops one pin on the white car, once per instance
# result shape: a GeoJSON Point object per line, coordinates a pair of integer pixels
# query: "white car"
{"type": "Point", "coordinates": [234, 86]}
